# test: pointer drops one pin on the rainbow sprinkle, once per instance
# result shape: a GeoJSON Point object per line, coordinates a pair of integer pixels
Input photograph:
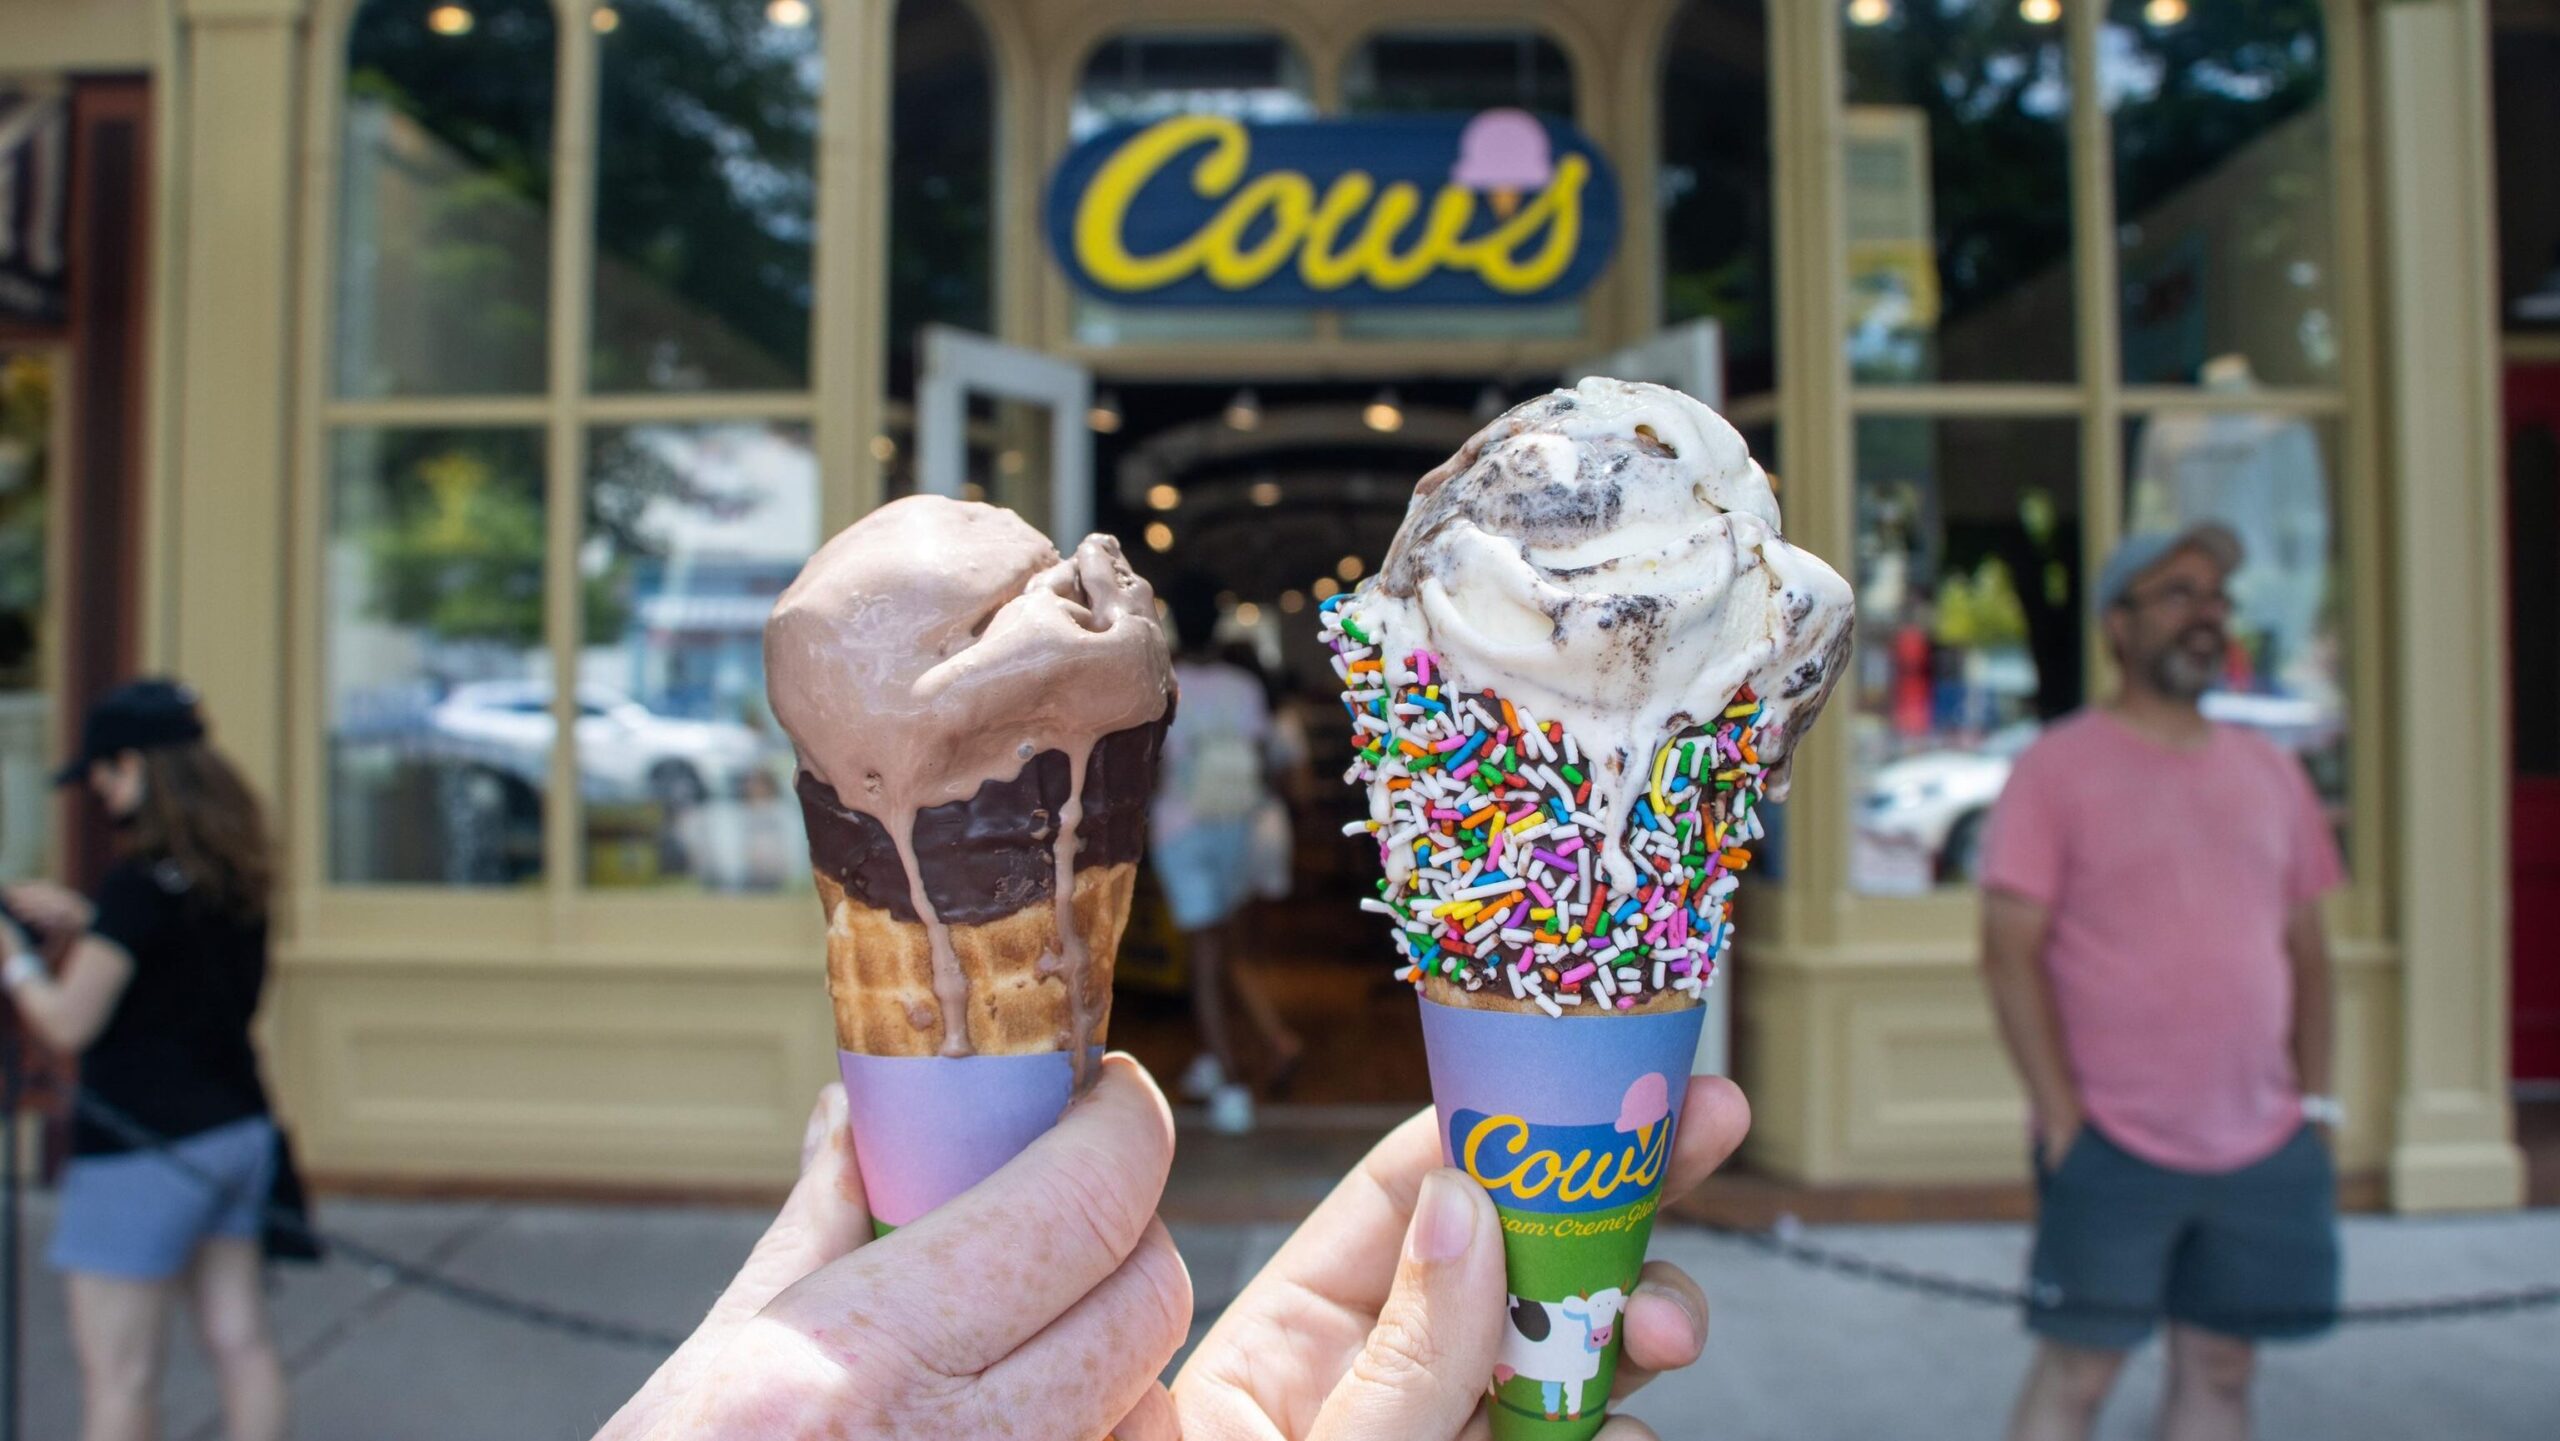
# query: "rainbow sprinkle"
{"type": "Point", "coordinates": [1493, 854]}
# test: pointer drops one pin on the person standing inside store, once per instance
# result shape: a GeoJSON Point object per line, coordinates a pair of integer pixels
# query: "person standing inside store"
{"type": "Point", "coordinates": [1212, 784]}
{"type": "Point", "coordinates": [157, 996]}
{"type": "Point", "coordinates": [2153, 948]}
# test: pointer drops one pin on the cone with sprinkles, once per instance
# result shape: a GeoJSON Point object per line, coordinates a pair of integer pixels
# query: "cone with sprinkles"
{"type": "Point", "coordinates": [1572, 688]}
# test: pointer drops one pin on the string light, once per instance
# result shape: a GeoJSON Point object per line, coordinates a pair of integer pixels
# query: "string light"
{"type": "Point", "coordinates": [1325, 588]}
{"type": "Point", "coordinates": [605, 19]}
{"type": "Point", "coordinates": [1349, 568]}
{"type": "Point", "coordinates": [1384, 412]}
{"type": "Point", "coordinates": [2161, 14]}
{"type": "Point", "coordinates": [789, 14]}
{"type": "Point", "coordinates": [1248, 614]}
{"type": "Point", "coordinates": [1159, 536]}
{"type": "Point", "coordinates": [883, 449]}
{"type": "Point", "coordinates": [1104, 417]}
{"type": "Point", "coordinates": [1244, 411]}
{"type": "Point", "coordinates": [1163, 497]}
{"type": "Point", "coordinates": [451, 20]}
{"type": "Point", "coordinates": [1292, 601]}
{"type": "Point", "coordinates": [2040, 12]}
{"type": "Point", "coordinates": [1870, 12]}
{"type": "Point", "coordinates": [1264, 493]}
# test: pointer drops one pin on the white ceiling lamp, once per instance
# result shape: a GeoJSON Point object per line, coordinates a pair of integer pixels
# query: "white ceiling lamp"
{"type": "Point", "coordinates": [2162, 14]}
{"type": "Point", "coordinates": [1104, 417]}
{"type": "Point", "coordinates": [1384, 412]}
{"type": "Point", "coordinates": [1870, 12]}
{"type": "Point", "coordinates": [2039, 12]}
{"type": "Point", "coordinates": [789, 14]}
{"type": "Point", "coordinates": [1244, 410]}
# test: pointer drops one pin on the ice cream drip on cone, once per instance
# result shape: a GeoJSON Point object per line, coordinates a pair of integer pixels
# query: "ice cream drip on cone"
{"type": "Point", "coordinates": [977, 720]}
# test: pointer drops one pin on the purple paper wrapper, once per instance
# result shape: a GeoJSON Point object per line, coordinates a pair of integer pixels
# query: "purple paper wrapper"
{"type": "Point", "coordinates": [1568, 1125]}
{"type": "Point", "coordinates": [926, 1128]}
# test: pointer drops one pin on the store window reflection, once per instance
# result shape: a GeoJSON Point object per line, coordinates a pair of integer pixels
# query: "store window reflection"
{"type": "Point", "coordinates": [941, 204]}
{"type": "Point", "coordinates": [28, 752]}
{"type": "Point", "coordinates": [1957, 192]}
{"type": "Point", "coordinates": [691, 531]}
{"type": "Point", "coordinates": [706, 195]}
{"type": "Point", "coordinates": [1969, 630]}
{"type": "Point", "coordinates": [2269, 477]}
{"type": "Point", "coordinates": [1135, 78]}
{"type": "Point", "coordinates": [433, 662]}
{"type": "Point", "coordinates": [444, 230]}
{"type": "Point", "coordinates": [2223, 190]}
{"type": "Point", "coordinates": [1717, 192]}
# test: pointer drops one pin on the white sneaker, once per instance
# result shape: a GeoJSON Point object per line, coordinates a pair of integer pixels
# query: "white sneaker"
{"type": "Point", "coordinates": [1231, 1110]}
{"type": "Point", "coordinates": [1203, 1079]}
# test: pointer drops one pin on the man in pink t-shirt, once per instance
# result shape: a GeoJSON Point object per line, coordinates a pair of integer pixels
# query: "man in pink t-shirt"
{"type": "Point", "coordinates": [2153, 947]}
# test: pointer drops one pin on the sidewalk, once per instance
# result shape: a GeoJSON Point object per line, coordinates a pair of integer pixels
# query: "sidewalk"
{"type": "Point", "coordinates": [1796, 1354]}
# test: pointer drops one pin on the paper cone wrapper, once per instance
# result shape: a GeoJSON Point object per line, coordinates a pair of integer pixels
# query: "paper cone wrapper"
{"type": "Point", "coordinates": [927, 1127]}
{"type": "Point", "coordinates": [1568, 1125]}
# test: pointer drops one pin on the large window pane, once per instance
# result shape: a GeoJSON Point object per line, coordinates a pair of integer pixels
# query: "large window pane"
{"type": "Point", "coordinates": [27, 745]}
{"type": "Point", "coordinates": [691, 531]}
{"type": "Point", "coordinates": [1462, 71]}
{"type": "Point", "coordinates": [1717, 192]}
{"type": "Point", "coordinates": [2525, 51]}
{"type": "Point", "coordinates": [2223, 194]}
{"type": "Point", "coordinates": [2272, 478]}
{"type": "Point", "coordinates": [1969, 630]}
{"type": "Point", "coordinates": [706, 195]}
{"type": "Point", "coordinates": [941, 179]}
{"type": "Point", "coordinates": [436, 676]}
{"type": "Point", "coordinates": [444, 229]}
{"type": "Point", "coordinates": [1958, 191]}
{"type": "Point", "coordinates": [1137, 78]}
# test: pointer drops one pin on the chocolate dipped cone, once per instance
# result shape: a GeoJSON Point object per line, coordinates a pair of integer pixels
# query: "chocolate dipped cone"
{"type": "Point", "coordinates": [978, 721]}
{"type": "Point", "coordinates": [1583, 664]}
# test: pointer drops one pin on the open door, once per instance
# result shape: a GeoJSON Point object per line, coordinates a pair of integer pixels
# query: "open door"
{"type": "Point", "coordinates": [1026, 446]}
{"type": "Point", "coordinates": [2533, 658]}
{"type": "Point", "coordinates": [1687, 357]}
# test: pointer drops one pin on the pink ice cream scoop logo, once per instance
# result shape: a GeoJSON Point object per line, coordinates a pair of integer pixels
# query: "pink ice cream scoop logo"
{"type": "Point", "coordinates": [1646, 1105]}
{"type": "Point", "coordinates": [1504, 153]}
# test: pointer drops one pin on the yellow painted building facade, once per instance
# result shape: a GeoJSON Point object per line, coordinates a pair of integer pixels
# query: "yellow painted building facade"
{"type": "Point", "coordinates": [550, 1017]}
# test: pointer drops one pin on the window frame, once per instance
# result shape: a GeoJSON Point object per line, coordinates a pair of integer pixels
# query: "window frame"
{"type": "Point", "coordinates": [1834, 912]}
{"type": "Point", "coordinates": [570, 920]}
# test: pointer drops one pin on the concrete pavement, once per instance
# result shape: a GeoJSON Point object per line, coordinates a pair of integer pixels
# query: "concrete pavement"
{"type": "Point", "coordinates": [1796, 1354]}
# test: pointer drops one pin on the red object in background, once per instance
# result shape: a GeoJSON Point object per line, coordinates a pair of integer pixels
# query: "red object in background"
{"type": "Point", "coordinates": [1911, 677]}
{"type": "Point", "coordinates": [2533, 660]}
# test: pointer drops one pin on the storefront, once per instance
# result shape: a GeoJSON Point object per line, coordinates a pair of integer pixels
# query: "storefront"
{"type": "Point", "coordinates": [516, 350]}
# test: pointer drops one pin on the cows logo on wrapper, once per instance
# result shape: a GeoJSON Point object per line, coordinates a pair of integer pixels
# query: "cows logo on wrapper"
{"type": "Point", "coordinates": [1569, 1170]}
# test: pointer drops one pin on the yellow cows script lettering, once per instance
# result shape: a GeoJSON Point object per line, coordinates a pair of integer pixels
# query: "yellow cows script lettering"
{"type": "Point", "coordinates": [1347, 233]}
{"type": "Point", "coordinates": [1503, 1156]}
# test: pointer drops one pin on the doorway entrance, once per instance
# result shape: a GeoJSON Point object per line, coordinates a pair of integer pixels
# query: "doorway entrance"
{"type": "Point", "coordinates": [2533, 631]}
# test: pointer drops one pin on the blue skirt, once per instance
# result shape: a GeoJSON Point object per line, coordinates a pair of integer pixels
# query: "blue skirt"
{"type": "Point", "coordinates": [140, 1216]}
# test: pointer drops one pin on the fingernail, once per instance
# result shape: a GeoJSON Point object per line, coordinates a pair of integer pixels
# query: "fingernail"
{"type": "Point", "coordinates": [1444, 1219]}
{"type": "Point", "coordinates": [1697, 1323]}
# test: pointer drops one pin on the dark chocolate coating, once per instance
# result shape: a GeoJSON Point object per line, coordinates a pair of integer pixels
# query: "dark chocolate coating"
{"type": "Point", "coordinates": [995, 853]}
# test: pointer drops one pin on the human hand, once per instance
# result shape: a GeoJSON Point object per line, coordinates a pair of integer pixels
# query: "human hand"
{"type": "Point", "coordinates": [49, 908]}
{"type": "Point", "coordinates": [1382, 1316]}
{"type": "Point", "coordinates": [2057, 1129]}
{"type": "Point", "coordinates": [1043, 1302]}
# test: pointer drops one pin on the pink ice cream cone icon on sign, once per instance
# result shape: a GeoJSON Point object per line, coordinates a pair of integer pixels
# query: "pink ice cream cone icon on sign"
{"type": "Point", "coordinates": [1646, 1105]}
{"type": "Point", "coordinates": [1504, 152]}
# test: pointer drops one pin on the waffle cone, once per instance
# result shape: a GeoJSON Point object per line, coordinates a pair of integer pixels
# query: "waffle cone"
{"type": "Point", "coordinates": [1449, 993]}
{"type": "Point", "coordinates": [880, 971]}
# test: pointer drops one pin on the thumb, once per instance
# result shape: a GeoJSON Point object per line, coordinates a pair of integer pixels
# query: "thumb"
{"type": "Point", "coordinates": [1431, 1355]}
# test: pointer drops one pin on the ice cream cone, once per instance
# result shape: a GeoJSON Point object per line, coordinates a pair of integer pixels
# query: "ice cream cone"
{"type": "Point", "coordinates": [1582, 665]}
{"type": "Point", "coordinates": [977, 721]}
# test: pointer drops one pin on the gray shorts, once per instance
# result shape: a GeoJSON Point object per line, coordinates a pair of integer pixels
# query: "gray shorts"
{"type": "Point", "coordinates": [140, 1217]}
{"type": "Point", "coordinates": [2121, 1242]}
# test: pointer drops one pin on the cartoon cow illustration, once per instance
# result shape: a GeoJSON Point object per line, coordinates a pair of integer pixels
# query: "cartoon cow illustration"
{"type": "Point", "coordinates": [1558, 1344]}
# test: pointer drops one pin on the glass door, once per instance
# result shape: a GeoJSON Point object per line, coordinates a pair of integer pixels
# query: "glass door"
{"type": "Point", "coordinates": [1007, 425]}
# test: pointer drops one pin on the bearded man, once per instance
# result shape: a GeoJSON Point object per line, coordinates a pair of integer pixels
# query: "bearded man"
{"type": "Point", "coordinates": [2153, 948]}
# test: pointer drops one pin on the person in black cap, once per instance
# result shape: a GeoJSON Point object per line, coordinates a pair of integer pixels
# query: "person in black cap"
{"type": "Point", "coordinates": [162, 980]}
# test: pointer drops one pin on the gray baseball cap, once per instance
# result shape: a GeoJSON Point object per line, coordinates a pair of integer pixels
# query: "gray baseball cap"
{"type": "Point", "coordinates": [2138, 555]}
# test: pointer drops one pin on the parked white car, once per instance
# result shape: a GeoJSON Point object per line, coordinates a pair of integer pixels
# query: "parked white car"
{"type": "Point", "coordinates": [625, 750]}
{"type": "Point", "coordinates": [1937, 801]}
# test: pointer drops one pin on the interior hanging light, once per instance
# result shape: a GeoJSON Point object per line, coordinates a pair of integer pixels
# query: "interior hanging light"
{"type": "Point", "coordinates": [1104, 414]}
{"type": "Point", "coordinates": [1384, 411]}
{"type": "Point", "coordinates": [1244, 410]}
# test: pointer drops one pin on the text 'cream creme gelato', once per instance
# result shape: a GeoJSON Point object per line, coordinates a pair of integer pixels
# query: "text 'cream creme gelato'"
{"type": "Point", "coordinates": [977, 720]}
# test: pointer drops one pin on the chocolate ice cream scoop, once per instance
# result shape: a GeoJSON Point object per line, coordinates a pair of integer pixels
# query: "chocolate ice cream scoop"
{"type": "Point", "coordinates": [940, 648]}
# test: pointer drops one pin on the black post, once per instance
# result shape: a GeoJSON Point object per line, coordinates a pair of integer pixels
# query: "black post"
{"type": "Point", "coordinates": [11, 1093]}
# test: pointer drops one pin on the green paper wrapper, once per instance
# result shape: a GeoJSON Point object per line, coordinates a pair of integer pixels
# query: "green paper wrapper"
{"type": "Point", "coordinates": [1568, 1125]}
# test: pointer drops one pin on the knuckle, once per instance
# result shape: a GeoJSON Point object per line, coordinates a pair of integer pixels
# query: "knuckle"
{"type": "Point", "coordinates": [1401, 1354]}
{"type": "Point", "coordinates": [1092, 1200]}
